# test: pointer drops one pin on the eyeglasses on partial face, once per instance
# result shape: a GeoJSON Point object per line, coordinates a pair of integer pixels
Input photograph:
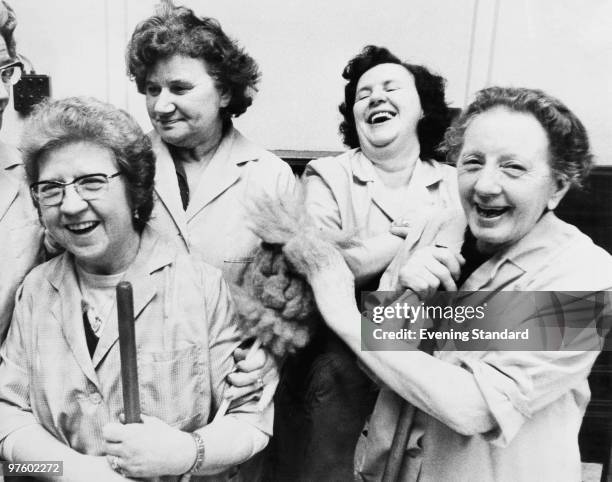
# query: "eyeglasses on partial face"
{"type": "Point", "coordinates": [89, 188]}
{"type": "Point", "coordinates": [11, 73]}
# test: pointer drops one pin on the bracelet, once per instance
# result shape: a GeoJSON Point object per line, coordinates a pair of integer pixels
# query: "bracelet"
{"type": "Point", "coordinates": [200, 450]}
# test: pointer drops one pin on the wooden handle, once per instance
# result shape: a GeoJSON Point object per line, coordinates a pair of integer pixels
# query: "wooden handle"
{"type": "Point", "coordinates": [406, 416]}
{"type": "Point", "coordinates": [127, 351]}
{"type": "Point", "coordinates": [398, 445]}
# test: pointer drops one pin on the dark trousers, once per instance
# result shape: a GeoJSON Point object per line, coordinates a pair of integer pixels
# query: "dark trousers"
{"type": "Point", "coordinates": [321, 405]}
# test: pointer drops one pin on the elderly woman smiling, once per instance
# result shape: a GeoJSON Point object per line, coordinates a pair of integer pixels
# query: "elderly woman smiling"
{"type": "Point", "coordinates": [195, 79]}
{"type": "Point", "coordinates": [490, 415]}
{"type": "Point", "coordinates": [92, 172]}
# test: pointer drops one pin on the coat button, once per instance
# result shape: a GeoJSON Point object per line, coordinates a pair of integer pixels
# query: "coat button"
{"type": "Point", "coordinates": [95, 398]}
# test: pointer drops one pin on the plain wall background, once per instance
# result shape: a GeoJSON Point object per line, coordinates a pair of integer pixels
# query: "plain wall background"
{"type": "Point", "coordinates": [561, 46]}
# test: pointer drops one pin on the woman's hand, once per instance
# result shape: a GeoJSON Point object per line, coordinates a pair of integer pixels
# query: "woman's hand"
{"type": "Point", "coordinates": [400, 228]}
{"type": "Point", "coordinates": [148, 449]}
{"type": "Point", "coordinates": [429, 268]}
{"type": "Point", "coordinates": [256, 376]}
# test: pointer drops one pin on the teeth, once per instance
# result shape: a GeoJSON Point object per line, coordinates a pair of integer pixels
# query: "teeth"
{"type": "Point", "coordinates": [81, 226]}
{"type": "Point", "coordinates": [380, 117]}
{"type": "Point", "coordinates": [490, 211]}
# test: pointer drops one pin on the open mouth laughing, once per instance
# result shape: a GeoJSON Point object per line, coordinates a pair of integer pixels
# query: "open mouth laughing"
{"type": "Point", "coordinates": [490, 212]}
{"type": "Point", "coordinates": [85, 227]}
{"type": "Point", "coordinates": [381, 116]}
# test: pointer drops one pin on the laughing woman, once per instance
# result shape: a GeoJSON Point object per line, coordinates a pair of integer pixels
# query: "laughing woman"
{"type": "Point", "coordinates": [385, 188]}
{"type": "Point", "coordinates": [491, 415]}
{"type": "Point", "coordinates": [394, 117]}
{"type": "Point", "coordinates": [92, 172]}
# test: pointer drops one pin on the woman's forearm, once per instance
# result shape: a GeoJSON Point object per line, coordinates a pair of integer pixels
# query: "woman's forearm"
{"type": "Point", "coordinates": [445, 391]}
{"type": "Point", "coordinates": [372, 256]}
{"type": "Point", "coordinates": [228, 442]}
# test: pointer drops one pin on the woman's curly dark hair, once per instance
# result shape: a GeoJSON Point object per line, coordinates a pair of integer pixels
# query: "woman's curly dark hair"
{"type": "Point", "coordinates": [430, 88]}
{"type": "Point", "coordinates": [570, 154]}
{"type": "Point", "coordinates": [178, 31]}
{"type": "Point", "coordinates": [8, 22]}
{"type": "Point", "coordinates": [56, 123]}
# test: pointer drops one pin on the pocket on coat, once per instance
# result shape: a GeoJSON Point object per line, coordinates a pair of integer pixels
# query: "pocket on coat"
{"type": "Point", "coordinates": [241, 260]}
{"type": "Point", "coordinates": [172, 386]}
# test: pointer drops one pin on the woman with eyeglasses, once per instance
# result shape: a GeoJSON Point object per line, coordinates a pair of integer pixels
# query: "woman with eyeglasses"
{"type": "Point", "coordinates": [20, 230]}
{"type": "Point", "coordinates": [92, 171]}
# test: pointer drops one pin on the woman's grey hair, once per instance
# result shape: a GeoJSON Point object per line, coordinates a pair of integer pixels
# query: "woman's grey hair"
{"type": "Point", "coordinates": [56, 123]}
{"type": "Point", "coordinates": [569, 150]}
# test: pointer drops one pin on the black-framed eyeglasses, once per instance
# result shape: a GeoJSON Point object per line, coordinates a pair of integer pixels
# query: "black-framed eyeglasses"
{"type": "Point", "coordinates": [11, 73]}
{"type": "Point", "coordinates": [89, 187]}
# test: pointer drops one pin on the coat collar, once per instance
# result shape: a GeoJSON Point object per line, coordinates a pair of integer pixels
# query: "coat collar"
{"type": "Point", "coordinates": [426, 174]}
{"type": "Point", "coordinates": [223, 171]}
{"type": "Point", "coordinates": [152, 256]}
{"type": "Point", "coordinates": [522, 257]}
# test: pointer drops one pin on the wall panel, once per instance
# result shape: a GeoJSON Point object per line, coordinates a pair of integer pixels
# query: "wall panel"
{"type": "Point", "coordinates": [301, 46]}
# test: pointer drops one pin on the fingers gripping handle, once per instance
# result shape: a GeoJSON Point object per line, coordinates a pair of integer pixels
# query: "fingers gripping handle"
{"type": "Point", "coordinates": [227, 397]}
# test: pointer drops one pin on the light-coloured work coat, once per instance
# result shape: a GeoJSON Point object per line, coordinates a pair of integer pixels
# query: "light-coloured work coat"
{"type": "Point", "coordinates": [215, 223]}
{"type": "Point", "coordinates": [185, 336]}
{"type": "Point", "coordinates": [537, 398]}
{"type": "Point", "coordinates": [20, 232]}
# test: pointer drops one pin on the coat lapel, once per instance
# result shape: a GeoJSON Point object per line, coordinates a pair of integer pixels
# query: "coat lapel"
{"type": "Point", "coordinates": [9, 185]}
{"type": "Point", "coordinates": [151, 257]}
{"type": "Point", "coordinates": [423, 176]}
{"type": "Point", "coordinates": [66, 309]}
{"type": "Point", "coordinates": [364, 171]}
{"type": "Point", "coordinates": [8, 192]}
{"type": "Point", "coordinates": [222, 172]}
{"type": "Point", "coordinates": [166, 185]}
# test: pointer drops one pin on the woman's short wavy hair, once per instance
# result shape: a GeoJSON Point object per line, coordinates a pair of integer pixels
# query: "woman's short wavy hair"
{"type": "Point", "coordinates": [8, 22]}
{"type": "Point", "coordinates": [178, 31]}
{"type": "Point", "coordinates": [430, 88]}
{"type": "Point", "coordinates": [57, 123]}
{"type": "Point", "coordinates": [570, 154]}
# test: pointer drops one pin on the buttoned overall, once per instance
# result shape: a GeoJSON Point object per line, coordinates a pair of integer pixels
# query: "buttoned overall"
{"type": "Point", "coordinates": [324, 395]}
{"type": "Point", "coordinates": [537, 398]}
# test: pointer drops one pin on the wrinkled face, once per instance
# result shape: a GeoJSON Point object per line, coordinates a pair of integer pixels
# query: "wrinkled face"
{"type": "Point", "coordinates": [387, 106]}
{"type": "Point", "coordinates": [5, 89]}
{"type": "Point", "coordinates": [183, 101]}
{"type": "Point", "coordinates": [99, 233]}
{"type": "Point", "coordinates": [505, 178]}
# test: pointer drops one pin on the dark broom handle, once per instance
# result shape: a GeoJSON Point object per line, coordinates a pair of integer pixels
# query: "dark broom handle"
{"type": "Point", "coordinates": [127, 351]}
{"type": "Point", "coordinates": [398, 445]}
{"type": "Point", "coordinates": [404, 423]}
